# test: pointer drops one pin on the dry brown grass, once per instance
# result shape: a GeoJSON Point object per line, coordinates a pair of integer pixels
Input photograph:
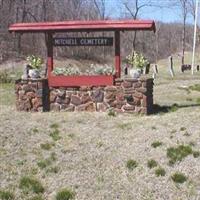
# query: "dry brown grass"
{"type": "Point", "coordinates": [93, 149]}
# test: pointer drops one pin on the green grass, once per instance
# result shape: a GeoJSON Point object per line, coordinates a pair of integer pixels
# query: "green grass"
{"type": "Point", "coordinates": [173, 108]}
{"type": "Point", "coordinates": [7, 94]}
{"type": "Point", "coordinates": [131, 164]}
{"type": "Point", "coordinates": [179, 177]}
{"type": "Point", "coordinates": [35, 130]}
{"type": "Point", "coordinates": [198, 100]}
{"type": "Point", "coordinates": [46, 146]}
{"type": "Point", "coordinates": [195, 87]}
{"type": "Point", "coordinates": [160, 172]}
{"type": "Point", "coordinates": [65, 194]}
{"type": "Point", "coordinates": [183, 129]}
{"type": "Point", "coordinates": [55, 135]}
{"type": "Point", "coordinates": [178, 153]}
{"type": "Point", "coordinates": [112, 113]}
{"type": "Point", "coordinates": [6, 195]}
{"type": "Point", "coordinates": [196, 154]}
{"type": "Point", "coordinates": [156, 144]}
{"type": "Point", "coordinates": [124, 126]}
{"type": "Point", "coordinates": [54, 126]}
{"type": "Point", "coordinates": [30, 184]}
{"type": "Point", "coordinates": [54, 170]}
{"type": "Point", "coordinates": [38, 197]}
{"type": "Point", "coordinates": [152, 163]}
{"type": "Point", "coordinates": [53, 156]}
{"type": "Point", "coordinates": [44, 163]}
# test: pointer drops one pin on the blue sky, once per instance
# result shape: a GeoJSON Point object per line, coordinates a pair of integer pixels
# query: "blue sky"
{"type": "Point", "coordinates": [158, 14]}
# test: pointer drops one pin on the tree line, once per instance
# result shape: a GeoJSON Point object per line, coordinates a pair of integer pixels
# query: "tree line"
{"type": "Point", "coordinates": [168, 39]}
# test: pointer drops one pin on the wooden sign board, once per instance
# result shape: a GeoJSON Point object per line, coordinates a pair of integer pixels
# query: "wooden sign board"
{"type": "Point", "coordinates": [83, 41]}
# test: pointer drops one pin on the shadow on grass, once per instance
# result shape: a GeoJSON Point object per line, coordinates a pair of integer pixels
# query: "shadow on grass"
{"type": "Point", "coordinates": [157, 109]}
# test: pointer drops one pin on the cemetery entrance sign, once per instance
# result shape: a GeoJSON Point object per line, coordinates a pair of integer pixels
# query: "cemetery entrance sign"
{"type": "Point", "coordinates": [50, 28]}
{"type": "Point", "coordinates": [81, 41]}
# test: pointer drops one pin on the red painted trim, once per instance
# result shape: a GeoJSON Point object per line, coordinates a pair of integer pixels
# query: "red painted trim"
{"type": "Point", "coordinates": [117, 54]}
{"type": "Point", "coordinates": [109, 25]}
{"type": "Point", "coordinates": [49, 54]}
{"type": "Point", "coordinates": [64, 81]}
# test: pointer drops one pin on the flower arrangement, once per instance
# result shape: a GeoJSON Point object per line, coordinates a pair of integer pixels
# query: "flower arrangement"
{"type": "Point", "coordinates": [136, 60]}
{"type": "Point", "coordinates": [100, 70]}
{"type": "Point", "coordinates": [93, 70]}
{"type": "Point", "coordinates": [67, 71]}
{"type": "Point", "coordinates": [35, 62]}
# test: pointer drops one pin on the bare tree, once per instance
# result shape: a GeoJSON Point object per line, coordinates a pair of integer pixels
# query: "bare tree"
{"type": "Point", "coordinates": [134, 7]}
{"type": "Point", "coordinates": [184, 9]}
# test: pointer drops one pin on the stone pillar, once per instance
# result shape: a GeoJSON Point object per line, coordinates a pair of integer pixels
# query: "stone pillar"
{"type": "Point", "coordinates": [32, 95]}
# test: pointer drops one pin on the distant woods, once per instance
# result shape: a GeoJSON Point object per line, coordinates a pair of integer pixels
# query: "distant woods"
{"type": "Point", "coordinates": [168, 39]}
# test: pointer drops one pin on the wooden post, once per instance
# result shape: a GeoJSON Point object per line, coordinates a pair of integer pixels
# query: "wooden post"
{"type": "Point", "coordinates": [155, 71]}
{"type": "Point", "coordinates": [171, 69]}
{"type": "Point", "coordinates": [49, 54]}
{"type": "Point", "coordinates": [117, 54]}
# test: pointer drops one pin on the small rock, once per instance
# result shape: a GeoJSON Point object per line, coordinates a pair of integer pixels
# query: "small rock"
{"type": "Point", "coordinates": [97, 95]}
{"type": "Point", "coordinates": [75, 100]}
{"type": "Point", "coordinates": [86, 107]}
{"type": "Point", "coordinates": [110, 89]}
{"type": "Point", "coordinates": [54, 107]}
{"type": "Point", "coordinates": [53, 96]}
{"type": "Point", "coordinates": [31, 94]}
{"type": "Point", "coordinates": [127, 84]}
{"type": "Point", "coordinates": [128, 108]}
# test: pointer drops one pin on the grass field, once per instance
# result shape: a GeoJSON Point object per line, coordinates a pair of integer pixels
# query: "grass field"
{"type": "Point", "coordinates": [94, 156]}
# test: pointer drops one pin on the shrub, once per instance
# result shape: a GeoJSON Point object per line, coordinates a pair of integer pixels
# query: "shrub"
{"type": "Point", "coordinates": [6, 195]}
{"type": "Point", "coordinates": [177, 154]}
{"type": "Point", "coordinates": [152, 163]}
{"type": "Point", "coordinates": [160, 172]}
{"type": "Point", "coordinates": [156, 144]}
{"type": "Point", "coordinates": [55, 135]}
{"type": "Point", "coordinates": [65, 194]}
{"type": "Point", "coordinates": [31, 184]}
{"type": "Point", "coordinates": [131, 164]}
{"type": "Point", "coordinates": [179, 177]}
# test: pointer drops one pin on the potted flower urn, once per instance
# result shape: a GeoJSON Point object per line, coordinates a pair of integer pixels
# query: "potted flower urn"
{"type": "Point", "coordinates": [137, 63]}
{"type": "Point", "coordinates": [34, 66]}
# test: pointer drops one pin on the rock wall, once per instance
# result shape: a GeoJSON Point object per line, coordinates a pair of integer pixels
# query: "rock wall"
{"type": "Point", "coordinates": [127, 95]}
{"type": "Point", "coordinates": [32, 95]}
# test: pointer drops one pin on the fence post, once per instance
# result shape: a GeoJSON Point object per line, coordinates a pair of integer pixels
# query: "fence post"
{"type": "Point", "coordinates": [171, 69]}
{"type": "Point", "coordinates": [155, 71]}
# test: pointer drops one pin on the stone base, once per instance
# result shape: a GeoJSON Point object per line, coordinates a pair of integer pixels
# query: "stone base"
{"type": "Point", "coordinates": [127, 95]}
{"type": "Point", "coordinates": [32, 95]}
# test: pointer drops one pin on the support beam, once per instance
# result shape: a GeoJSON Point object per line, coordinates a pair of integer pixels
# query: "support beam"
{"type": "Point", "coordinates": [117, 54]}
{"type": "Point", "coordinates": [49, 54]}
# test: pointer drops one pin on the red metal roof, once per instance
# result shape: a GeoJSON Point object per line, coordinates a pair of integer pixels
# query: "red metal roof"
{"type": "Point", "coordinates": [101, 25]}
